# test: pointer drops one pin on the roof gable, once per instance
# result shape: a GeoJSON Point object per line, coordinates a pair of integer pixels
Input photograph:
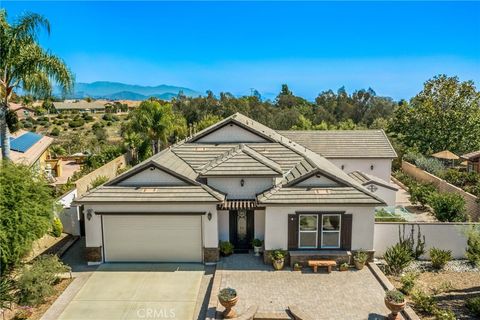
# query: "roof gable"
{"type": "Point", "coordinates": [241, 161]}
{"type": "Point", "coordinates": [152, 176]}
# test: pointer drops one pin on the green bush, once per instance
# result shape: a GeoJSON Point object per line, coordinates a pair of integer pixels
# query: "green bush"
{"type": "Point", "coordinates": [448, 207]}
{"type": "Point", "coordinates": [36, 281]}
{"type": "Point", "coordinates": [444, 314]}
{"type": "Point", "coordinates": [473, 305]}
{"type": "Point", "coordinates": [421, 193]}
{"type": "Point", "coordinates": [394, 296]}
{"type": "Point", "coordinates": [423, 302]}
{"type": "Point", "coordinates": [76, 123]}
{"type": "Point", "coordinates": [7, 296]}
{"type": "Point", "coordinates": [397, 257]}
{"type": "Point", "coordinates": [226, 248]}
{"type": "Point", "coordinates": [98, 181]}
{"type": "Point", "coordinates": [431, 165]}
{"type": "Point", "coordinates": [57, 227]}
{"type": "Point", "coordinates": [440, 257]}
{"type": "Point", "coordinates": [55, 132]}
{"type": "Point", "coordinates": [408, 282]}
{"type": "Point", "coordinates": [473, 247]}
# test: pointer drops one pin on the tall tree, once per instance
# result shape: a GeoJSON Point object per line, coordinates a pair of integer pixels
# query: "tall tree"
{"type": "Point", "coordinates": [25, 65]}
{"type": "Point", "coordinates": [158, 123]}
{"type": "Point", "coordinates": [444, 115]}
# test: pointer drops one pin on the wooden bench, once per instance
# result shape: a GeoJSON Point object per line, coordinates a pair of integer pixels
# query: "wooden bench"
{"type": "Point", "coordinates": [322, 263]}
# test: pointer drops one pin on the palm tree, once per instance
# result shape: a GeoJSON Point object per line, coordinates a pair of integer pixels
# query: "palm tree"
{"type": "Point", "coordinates": [158, 123]}
{"type": "Point", "coordinates": [25, 65]}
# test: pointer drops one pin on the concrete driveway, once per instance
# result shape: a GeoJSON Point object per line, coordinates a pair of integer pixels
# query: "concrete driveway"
{"type": "Point", "coordinates": [137, 291]}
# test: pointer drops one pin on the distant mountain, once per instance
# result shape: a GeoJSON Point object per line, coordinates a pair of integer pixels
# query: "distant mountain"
{"type": "Point", "coordinates": [122, 91]}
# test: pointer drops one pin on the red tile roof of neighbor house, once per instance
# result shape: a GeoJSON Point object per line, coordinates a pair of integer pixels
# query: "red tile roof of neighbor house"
{"type": "Point", "coordinates": [33, 153]}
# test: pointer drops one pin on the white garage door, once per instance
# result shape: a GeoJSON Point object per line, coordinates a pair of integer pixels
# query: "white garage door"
{"type": "Point", "coordinates": [161, 238]}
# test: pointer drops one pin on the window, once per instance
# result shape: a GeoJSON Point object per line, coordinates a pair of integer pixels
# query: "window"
{"type": "Point", "coordinates": [308, 231]}
{"type": "Point", "coordinates": [331, 230]}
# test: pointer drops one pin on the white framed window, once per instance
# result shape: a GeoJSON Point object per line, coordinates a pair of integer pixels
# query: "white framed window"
{"type": "Point", "coordinates": [307, 230]}
{"type": "Point", "coordinates": [331, 226]}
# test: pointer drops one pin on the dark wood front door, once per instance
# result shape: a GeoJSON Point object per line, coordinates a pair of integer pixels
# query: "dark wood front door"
{"type": "Point", "coordinates": [241, 229]}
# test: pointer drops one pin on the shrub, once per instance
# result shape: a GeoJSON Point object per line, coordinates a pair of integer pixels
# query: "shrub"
{"type": "Point", "coordinates": [36, 281]}
{"type": "Point", "coordinates": [227, 294]}
{"type": "Point", "coordinates": [397, 257]}
{"type": "Point", "coordinates": [7, 296]}
{"type": "Point", "coordinates": [473, 305]}
{"type": "Point", "coordinates": [421, 193]}
{"type": "Point", "coordinates": [408, 282]}
{"type": "Point", "coordinates": [98, 181]}
{"type": "Point", "coordinates": [417, 248]}
{"type": "Point", "coordinates": [27, 124]}
{"type": "Point", "coordinates": [76, 123]}
{"type": "Point", "coordinates": [444, 314]}
{"type": "Point", "coordinates": [473, 247]}
{"type": "Point", "coordinates": [423, 302]}
{"type": "Point", "coordinates": [55, 132]}
{"type": "Point", "coordinates": [57, 227]}
{"type": "Point", "coordinates": [226, 248]}
{"type": "Point", "coordinates": [448, 207]}
{"type": "Point", "coordinates": [440, 257]}
{"type": "Point", "coordinates": [394, 296]}
{"type": "Point", "coordinates": [431, 165]}
{"type": "Point", "coordinates": [278, 254]}
{"type": "Point", "coordinates": [360, 256]}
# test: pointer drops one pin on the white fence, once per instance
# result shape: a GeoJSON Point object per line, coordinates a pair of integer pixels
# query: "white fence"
{"type": "Point", "coordinates": [446, 236]}
{"type": "Point", "coordinates": [69, 214]}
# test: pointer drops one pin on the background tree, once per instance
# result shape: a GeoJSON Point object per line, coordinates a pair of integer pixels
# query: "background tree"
{"type": "Point", "coordinates": [444, 115]}
{"type": "Point", "coordinates": [25, 65]}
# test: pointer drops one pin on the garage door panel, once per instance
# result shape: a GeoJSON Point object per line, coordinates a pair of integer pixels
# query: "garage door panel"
{"type": "Point", "coordinates": [152, 238]}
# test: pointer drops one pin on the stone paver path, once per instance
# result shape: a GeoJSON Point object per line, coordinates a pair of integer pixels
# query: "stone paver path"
{"type": "Point", "coordinates": [338, 295]}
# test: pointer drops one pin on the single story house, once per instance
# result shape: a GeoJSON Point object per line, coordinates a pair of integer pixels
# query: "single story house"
{"type": "Point", "coordinates": [30, 149]}
{"type": "Point", "coordinates": [473, 161]}
{"type": "Point", "coordinates": [234, 181]}
{"type": "Point", "coordinates": [81, 106]}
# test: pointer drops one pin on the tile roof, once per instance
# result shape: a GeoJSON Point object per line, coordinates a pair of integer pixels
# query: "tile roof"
{"type": "Point", "coordinates": [344, 143]}
{"type": "Point", "coordinates": [325, 195]}
{"type": "Point", "coordinates": [115, 194]}
{"type": "Point", "coordinates": [33, 153]}
{"type": "Point", "coordinates": [365, 178]}
{"type": "Point", "coordinates": [472, 155]}
{"type": "Point", "coordinates": [241, 160]}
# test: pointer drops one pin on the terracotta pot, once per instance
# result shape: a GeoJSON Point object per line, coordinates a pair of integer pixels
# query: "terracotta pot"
{"type": "Point", "coordinates": [229, 313]}
{"type": "Point", "coordinates": [395, 309]}
{"type": "Point", "coordinates": [278, 264]}
{"type": "Point", "coordinates": [297, 268]}
{"type": "Point", "coordinates": [359, 265]}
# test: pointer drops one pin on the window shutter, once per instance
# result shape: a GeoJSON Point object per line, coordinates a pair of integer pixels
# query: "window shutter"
{"type": "Point", "coordinates": [292, 231]}
{"type": "Point", "coordinates": [346, 232]}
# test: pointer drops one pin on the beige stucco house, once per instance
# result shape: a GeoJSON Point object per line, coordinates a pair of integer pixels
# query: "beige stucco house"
{"type": "Point", "coordinates": [239, 180]}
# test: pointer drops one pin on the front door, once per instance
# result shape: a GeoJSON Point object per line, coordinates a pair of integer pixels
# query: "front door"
{"type": "Point", "coordinates": [241, 229]}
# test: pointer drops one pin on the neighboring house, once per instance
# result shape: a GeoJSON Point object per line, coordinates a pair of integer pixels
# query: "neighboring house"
{"type": "Point", "coordinates": [22, 111]}
{"type": "Point", "coordinates": [473, 161]}
{"type": "Point", "coordinates": [81, 105]}
{"type": "Point", "coordinates": [30, 149]}
{"type": "Point", "coordinates": [236, 180]}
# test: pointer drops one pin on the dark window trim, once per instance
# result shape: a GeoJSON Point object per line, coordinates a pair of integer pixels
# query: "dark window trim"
{"type": "Point", "coordinates": [319, 226]}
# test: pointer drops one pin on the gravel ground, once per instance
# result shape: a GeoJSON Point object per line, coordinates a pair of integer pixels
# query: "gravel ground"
{"type": "Point", "coordinates": [426, 266]}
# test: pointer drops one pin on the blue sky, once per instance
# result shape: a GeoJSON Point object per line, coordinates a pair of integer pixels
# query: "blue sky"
{"type": "Point", "coordinates": [392, 47]}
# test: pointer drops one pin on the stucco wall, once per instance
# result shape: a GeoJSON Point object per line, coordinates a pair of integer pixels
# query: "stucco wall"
{"type": "Point", "coordinates": [223, 225]}
{"type": "Point", "coordinates": [386, 194]}
{"type": "Point", "coordinates": [276, 224]}
{"type": "Point", "coordinates": [69, 215]}
{"type": "Point", "coordinates": [382, 168]}
{"type": "Point", "coordinates": [259, 224]}
{"type": "Point", "coordinates": [152, 177]}
{"type": "Point", "coordinates": [231, 134]}
{"type": "Point", "coordinates": [472, 203]}
{"type": "Point", "coordinates": [93, 228]}
{"type": "Point", "coordinates": [446, 236]}
{"type": "Point", "coordinates": [317, 182]}
{"type": "Point", "coordinates": [232, 187]}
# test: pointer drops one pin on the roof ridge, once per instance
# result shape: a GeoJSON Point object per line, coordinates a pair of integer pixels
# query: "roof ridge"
{"type": "Point", "coordinates": [221, 158]}
{"type": "Point", "coordinates": [262, 159]}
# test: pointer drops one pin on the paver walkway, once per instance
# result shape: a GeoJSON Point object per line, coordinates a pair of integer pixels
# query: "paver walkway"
{"type": "Point", "coordinates": [338, 295]}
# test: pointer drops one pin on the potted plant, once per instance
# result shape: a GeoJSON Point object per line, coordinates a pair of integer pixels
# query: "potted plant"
{"type": "Point", "coordinates": [297, 266]}
{"type": "Point", "coordinates": [278, 258]}
{"type": "Point", "coordinates": [228, 299]}
{"type": "Point", "coordinates": [257, 246]}
{"type": "Point", "coordinates": [344, 267]}
{"type": "Point", "coordinates": [226, 248]}
{"type": "Point", "coordinates": [395, 302]}
{"type": "Point", "coordinates": [359, 259]}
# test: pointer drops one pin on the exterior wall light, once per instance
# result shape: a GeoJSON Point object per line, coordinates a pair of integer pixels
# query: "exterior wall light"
{"type": "Point", "coordinates": [343, 166]}
{"type": "Point", "coordinates": [242, 182]}
{"type": "Point", "coordinates": [209, 216]}
{"type": "Point", "coordinates": [89, 214]}
{"type": "Point", "coordinates": [371, 167]}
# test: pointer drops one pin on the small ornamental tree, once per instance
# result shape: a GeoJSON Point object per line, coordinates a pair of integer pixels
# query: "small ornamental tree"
{"type": "Point", "coordinates": [26, 211]}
